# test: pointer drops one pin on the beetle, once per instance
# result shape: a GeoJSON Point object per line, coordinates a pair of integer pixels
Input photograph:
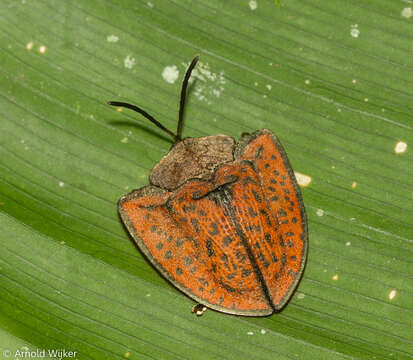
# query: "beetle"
{"type": "Point", "coordinates": [223, 221]}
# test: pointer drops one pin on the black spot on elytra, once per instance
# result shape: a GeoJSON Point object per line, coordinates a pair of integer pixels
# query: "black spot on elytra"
{"type": "Point", "coordinates": [187, 260]}
{"type": "Point", "coordinates": [284, 177]}
{"type": "Point", "coordinates": [230, 276]}
{"type": "Point", "coordinates": [282, 213]}
{"type": "Point", "coordinates": [273, 181]}
{"type": "Point", "coordinates": [201, 289]}
{"type": "Point", "coordinates": [227, 240]}
{"type": "Point", "coordinates": [256, 196]}
{"type": "Point", "coordinates": [214, 267]}
{"type": "Point", "coordinates": [275, 172]}
{"type": "Point", "coordinates": [257, 245]}
{"type": "Point", "coordinates": [282, 243]}
{"type": "Point", "coordinates": [286, 191]}
{"type": "Point", "coordinates": [274, 198]}
{"type": "Point", "coordinates": [270, 188]}
{"type": "Point", "coordinates": [283, 259]}
{"type": "Point", "coordinates": [224, 258]}
{"type": "Point", "coordinates": [258, 154]}
{"type": "Point", "coordinates": [273, 157]}
{"type": "Point", "coordinates": [178, 271]}
{"type": "Point", "coordinates": [195, 224]}
{"type": "Point", "coordinates": [252, 212]}
{"type": "Point", "coordinates": [169, 206]}
{"type": "Point", "coordinates": [282, 183]}
{"type": "Point", "coordinates": [276, 276]}
{"type": "Point", "coordinates": [241, 257]}
{"type": "Point", "coordinates": [267, 217]}
{"type": "Point", "coordinates": [194, 269]}
{"type": "Point", "coordinates": [196, 195]}
{"type": "Point", "coordinates": [290, 244]}
{"type": "Point", "coordinates": [179, 242]}
{"type": "Point", "coordinates": [188, 208]}
{"type": "Point", "coordinates": [268, 239]}
{"type": "Point", "coordinates": [231, 178]}
{"type": "Point", "coordinates": [169, 239]}
{"type": "Point", "coordinates": [153, 228]}
{"type": "Point", "coordinates": [294, 220]}
{"type": "Point", "coordinates": [214, 229]}
{"type": "Point", "coordinates": [292, 273]}
{"type": "Point", "coordinates": [287, 198]}
{"type": "Point", "coordinates": [267, 165]}
{"type": "Point", "coordinates": [253, 227]}
{"type": "Point", "coordinates": [159, 232]}
{"type": "Point", "coordinates": [212, 291]}
{"type": "Point", "coordinates": [226, 287]}
{"type": "Point", "coordinates": [274, 258]}
{"type": "Point", "coordinates": [293, 257]}
{"type": "Point", "coordinates": [159, 246]}
{"type": "Point", "coordinates": [168, 254]}
{"type": "Point", "coordinates": [285, 221]}
{"type": "Point", "coordinates": [290, 233]}
{"type": "Point", "coordinates": [210, 251]}
{"type": "Point", "coordinates": [248, 180]}
{"type": "Point", "coordinates": [245, 273]}
{"type": "Point", "coordinates": [233, 265]}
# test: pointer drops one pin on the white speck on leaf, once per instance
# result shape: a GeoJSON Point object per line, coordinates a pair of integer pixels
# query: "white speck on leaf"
{"type": "Point", "coordinates": [263, 331]}
{"type": "Point", "coordinates": [61, 183]}
{"type": "Point", "coordinates": [400, 147]}
{"type": "Point", "coordinates": [302, 179]}
{"type": "Point", "coordinates": [29, 45]}
{"type": "Point", "coordinates": [170, 74]}
{"type": "Point", "coordinates": [307, 82]}
{"type": "Point", "coordinates": [253, 4]}
{"type": "Point", "coordinates": [149, 4]}
{"type": "Point", "coordinates": [124, 140]}
{"type": "Point", "coordinates": [407, 12]}
{"type": "Point", "coordinates": [42, 49]}
{"type": "Point", "coordinates": [335, 277]}
{"type": "Point", "coordinates": [129, 62]}
{"type": "Point", "coordinates": [300, 296]}
{"type": "Point", "coordinates": [269, 87]}
{"type": "Point", "coordinates": [207, 83]}
{"type": "Point", "coordinates": [112, 38]}
{"type": "Point", "coordinates": [320, 212]}
{"type": "Point", "coordinates": [392, 294]}
{"type": "Point", "coordinates": [354, 32]}
{"type": "Point", "coordinates": [250, 333]}
{"type": "Point", "coordinates": [348, 243]}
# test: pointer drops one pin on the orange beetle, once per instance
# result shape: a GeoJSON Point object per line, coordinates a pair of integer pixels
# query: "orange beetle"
{"type": "Point", "coordinates": [224, 222]}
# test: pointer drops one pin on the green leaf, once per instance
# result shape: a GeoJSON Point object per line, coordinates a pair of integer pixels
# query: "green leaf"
{"type": "Point", "coordinates": [332, 79]}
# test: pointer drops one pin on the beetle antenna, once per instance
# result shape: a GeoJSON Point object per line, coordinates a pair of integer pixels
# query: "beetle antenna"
{"type": "Point", "coordinates": [176, 137]}
{"type": "Point", "coordinates": [183, 96]}
{"type": "Point", "coordinates": [149, 117]}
